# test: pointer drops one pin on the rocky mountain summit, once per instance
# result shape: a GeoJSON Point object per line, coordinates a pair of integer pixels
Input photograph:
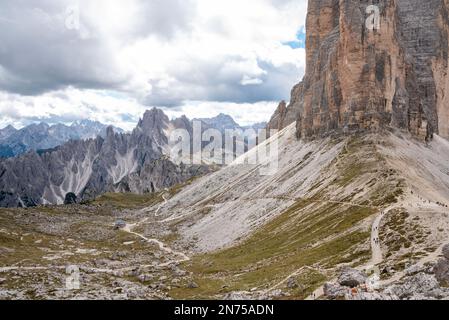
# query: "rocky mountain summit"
{"type": "Point", "coordinates": [136, 162]}
{"type": "Point", "coordinates": [224, 122]}
{"type": "Point", "coordinates": [221, 122]}
{"type": "Point", "coordinates": [42, 136]}
{"type": "Point", "coordinates": [372, 65]}
{"type": "Point", "coordinates": [7, 131]}
{"type": "Point", "coordinates": [133, 162]}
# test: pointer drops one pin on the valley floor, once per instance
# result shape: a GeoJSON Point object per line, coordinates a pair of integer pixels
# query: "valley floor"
{"type": "Point", "coordinates": [377, 200]}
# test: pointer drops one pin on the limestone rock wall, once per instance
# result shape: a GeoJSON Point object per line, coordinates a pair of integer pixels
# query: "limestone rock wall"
{"type": "Point", "coordinates": [364, 77]}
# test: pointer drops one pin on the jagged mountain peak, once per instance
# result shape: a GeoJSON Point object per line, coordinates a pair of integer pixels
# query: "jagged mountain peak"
{"type": "Point", "coordinates": [41, 136]}
{"type": "Point", "coordinates": [86, 123]}
{"type": "Point", "coordinates": [7, 131]}
{"type": "Point", "coordinates": [40, 125]}
{"type": "Point", "coordinates": [223, 116]}
{"type": "Point", "coordinates": [9, 128]}
{"type": "Point", "coordinates": [278, 119]}
{"type": "Point", "coordinates": [182, 123]}
{"type": "Point", "coordinates": [221, 122]}
{"type": "Point", "coordinates": [154, 119]}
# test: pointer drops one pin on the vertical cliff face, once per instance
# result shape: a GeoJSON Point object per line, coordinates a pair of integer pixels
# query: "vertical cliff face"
{"type": "Point", "coordinates": [365, 73]}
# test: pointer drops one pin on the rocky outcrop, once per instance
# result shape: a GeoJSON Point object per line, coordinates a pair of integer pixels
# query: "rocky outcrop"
{"type": "Point", "coordinates": [420, 286]}
{"type": "Point", "coordinates": [441, 269]}
{"type": "Point", "coordinates": [286, 115]}
{"type": "Point", "coordinates": [365, 74]}
{"type": "Point", "coordinates": [446, 251]}
{"type": "Point", "coordinates": [352, 278]}
{"type": "Point", "coordinates": [428, 282]}
{"type": "Point", "coordinates": [278, 120]}
{"type": "Point", "coordinates": [335, 291]}
{"type": "Point", "coordinates": [417, 286]}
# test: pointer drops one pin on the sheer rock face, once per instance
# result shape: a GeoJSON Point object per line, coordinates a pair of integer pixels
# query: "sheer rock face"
{"type": "Point", "coordinates": [278, 120]}
{"type": "Point", "coordinates": [361, 78]}
{"type": "Point", "coordinates": [284, 115]}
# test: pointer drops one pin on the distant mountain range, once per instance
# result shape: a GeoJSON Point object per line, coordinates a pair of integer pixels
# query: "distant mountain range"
{"type": "Point", "coordinates": [225, 122]}
{"type": "Point", "coordinates": [66, 163]}
{"type": "Point", "coordinates": [42, 136]}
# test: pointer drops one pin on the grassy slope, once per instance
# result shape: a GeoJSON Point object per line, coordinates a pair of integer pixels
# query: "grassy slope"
{"type": "Point", "coordinates": [308, 240]}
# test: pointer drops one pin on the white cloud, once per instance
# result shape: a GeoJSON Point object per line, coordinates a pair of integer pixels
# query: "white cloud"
{"type": "Point", "coordinates": [139, 53]}
{"type": "Point", "coordinates": [243, 113]}
{"type": "Point", "coordinates": [70, 105]}
{"type": "Point", "coordinates": [73, 104]}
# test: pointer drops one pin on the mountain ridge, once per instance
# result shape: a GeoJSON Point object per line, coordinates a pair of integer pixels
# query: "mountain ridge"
{"type": "Point", "coordinates": [119, 162]}
{"type": "Point", "coordinates": [42, 136]}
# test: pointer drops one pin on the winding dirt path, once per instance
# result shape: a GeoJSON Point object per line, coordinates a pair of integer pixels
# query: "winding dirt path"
{"type": "Point", "coordinates": [129, 228]}
{"type": "Point", "coordinates": [375, 241]}
{"type": "Point", "coordinates": [161, 245]}
{"type": "Point", "coordinates": [376, 254]}
{"type": "Point", "coordinates": [182, 257]}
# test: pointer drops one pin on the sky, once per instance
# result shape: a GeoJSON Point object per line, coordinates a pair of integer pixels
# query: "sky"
{"type": "Point", "coordinates": [110, 60]}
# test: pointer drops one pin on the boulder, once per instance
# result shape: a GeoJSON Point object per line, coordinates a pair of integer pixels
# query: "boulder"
{"type": "Point", "coordinates": [275, 294]}
{"type": "Point", "coordinates": [446, 251]}
{"type": "Point", "coordinates": [292, 284]}
{"type": "Point", "coordinates": [118, 256]}
{"type": "Point", "coordinates": [237, 296]}
{"type": "Point", "coordinates": [179, 273]}
{"type": "Point", "coordinates": [414, 270]}
{"type": "Point", "coordinates": [371, 296]}
{"type": "Point", "coordinates": [192, 285]}
{"type": "Point", "coordinates": [335, 291]}
{"type": "Point", "coordinates": [119, 224]}
{"type": "Point", "coordinates": [352, 278]}
{"type": "Point", "coordinates": [101, 263]}
{"type": "Point", "coordinates": [143, 278]}
{"type": "Point", "coordinates": [70, 199]}
{"type": "Point", "coordinates": [441, 271]}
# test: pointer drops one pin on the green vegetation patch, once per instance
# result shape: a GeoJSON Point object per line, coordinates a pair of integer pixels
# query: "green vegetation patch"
{"type": "Point", "coordinates": [127, 200]}
{"type": "Point", "coordinates": [399, 233]}
{"type": "Point", "coordinates": [306, 239]}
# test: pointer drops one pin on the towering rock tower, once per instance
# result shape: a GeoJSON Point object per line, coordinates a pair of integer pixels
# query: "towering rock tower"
{"type": "Point", "coordinates": [373, 64]}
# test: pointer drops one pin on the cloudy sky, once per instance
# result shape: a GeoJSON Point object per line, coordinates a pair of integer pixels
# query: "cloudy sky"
{"type": "Point", "coordinates": [109, 60]}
